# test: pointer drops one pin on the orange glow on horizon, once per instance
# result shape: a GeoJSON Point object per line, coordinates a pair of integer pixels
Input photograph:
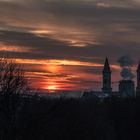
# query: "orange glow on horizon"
{"type": "Point", "coordinates": [53, 63]}
{"type": "Point", "coordinates": [53, 68]}
{"type": "Point", "coordinates": [54, 74]}
{"type": "Point", "coordinates": [58, 62]}
{"type": "Point", "coordinates": [52, 87]}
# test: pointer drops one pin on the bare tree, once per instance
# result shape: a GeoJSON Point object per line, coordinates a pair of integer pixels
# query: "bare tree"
{"type": "Point", "coordinates": [13, 83]}
{"type": "Point", "coordinates": [12, 77]}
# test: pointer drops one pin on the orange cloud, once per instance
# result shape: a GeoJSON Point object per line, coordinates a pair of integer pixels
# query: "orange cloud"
{"type": "Point", "coordinates": [63, 74]}
{"type": "Point", "coordinates": [11, 48]}
{"type": "Point", "coordinates": [58, 62]}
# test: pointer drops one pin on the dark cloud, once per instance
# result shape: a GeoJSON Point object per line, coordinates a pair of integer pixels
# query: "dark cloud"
{"type": "Point", "coordinates": [119, 22]}
{"type": "Point", "coordinates": [50, 48]}
{"type": "Point", "coordinates": [44, 47]}
{"type": "Point", "coordinates": [106, 28]}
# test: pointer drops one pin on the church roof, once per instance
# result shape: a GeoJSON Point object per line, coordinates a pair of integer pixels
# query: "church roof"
{"type": "Point", "coordinates": [106, 66]}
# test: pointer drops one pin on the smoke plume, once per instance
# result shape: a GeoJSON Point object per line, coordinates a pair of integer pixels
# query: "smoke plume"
{"type": "Point", "coordinates": [126, 63]}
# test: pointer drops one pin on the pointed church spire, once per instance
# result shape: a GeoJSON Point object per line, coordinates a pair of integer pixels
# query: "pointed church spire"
{"type": "Point", "coordinates": [106, 78]}
{"type": "Point", "coordinates": [138, 68]}
{"type": "Point", "coordinates": [106, 66]}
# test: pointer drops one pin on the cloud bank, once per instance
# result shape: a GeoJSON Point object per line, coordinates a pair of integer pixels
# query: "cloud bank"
{"type": "Point", "coordinates": [81, 31]}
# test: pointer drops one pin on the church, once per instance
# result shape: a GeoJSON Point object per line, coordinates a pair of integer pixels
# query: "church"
{"type": "Point", "coordinates": [126, 87]}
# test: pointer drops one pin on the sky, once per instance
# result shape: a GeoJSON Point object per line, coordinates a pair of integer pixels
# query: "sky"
{"type": "Point", "coordinates": [63, 43]}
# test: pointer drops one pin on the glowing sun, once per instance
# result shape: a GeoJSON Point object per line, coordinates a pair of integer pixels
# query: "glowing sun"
{"type": "Point", "coordinates": [52, 87]}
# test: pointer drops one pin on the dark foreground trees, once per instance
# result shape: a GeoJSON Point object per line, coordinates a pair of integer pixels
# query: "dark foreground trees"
{"type": "Point", "coordinates": [67, 119]}
{"type": "Point", "coordinates": [13, 83]}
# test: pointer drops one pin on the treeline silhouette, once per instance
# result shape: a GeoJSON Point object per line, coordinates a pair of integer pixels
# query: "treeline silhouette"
{"type": "Point", "coordinates": [65, 119]}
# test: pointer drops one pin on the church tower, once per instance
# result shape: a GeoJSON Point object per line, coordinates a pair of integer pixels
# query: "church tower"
{"type": "Point", "coordinates": [138, 80]}
{"type": "Point", "coordinates": [106, 78]}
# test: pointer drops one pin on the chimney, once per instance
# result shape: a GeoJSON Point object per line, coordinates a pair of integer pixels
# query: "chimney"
{"type": "Point", "coordinates": [127, 88]}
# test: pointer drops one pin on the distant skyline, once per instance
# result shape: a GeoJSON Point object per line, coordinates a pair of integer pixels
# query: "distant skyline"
{"type": "Point", "coordinates": [63, 43]}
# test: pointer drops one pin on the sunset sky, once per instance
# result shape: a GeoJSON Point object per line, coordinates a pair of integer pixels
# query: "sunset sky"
{"type": "Point", "coordinates": [63, 43]}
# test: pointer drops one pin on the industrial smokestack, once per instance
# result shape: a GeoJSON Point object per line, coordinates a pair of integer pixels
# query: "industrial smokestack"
{"type": "Point", "coordinates": [127, 88]}
{"type": "Point", "coordinates": [126, 63]}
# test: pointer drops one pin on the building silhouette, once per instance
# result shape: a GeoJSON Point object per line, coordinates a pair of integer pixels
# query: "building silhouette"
{"type": "Point", "coordinates": [138, 81]}
{"type": "Point", "coordinates": [106, 78]}
{"type": "Point", "coordinates": [126, 86]}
